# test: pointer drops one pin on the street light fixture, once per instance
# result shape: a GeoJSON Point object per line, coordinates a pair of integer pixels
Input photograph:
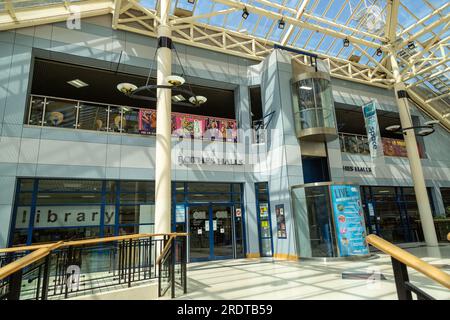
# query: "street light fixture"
{"type": "Point", "coordinates": [423, 130]}
{"type": "Point", "coordinates": [174, 82]}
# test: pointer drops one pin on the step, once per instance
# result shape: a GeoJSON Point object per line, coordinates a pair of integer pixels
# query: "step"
{"type": "Point", "coordinates": [148, 291]}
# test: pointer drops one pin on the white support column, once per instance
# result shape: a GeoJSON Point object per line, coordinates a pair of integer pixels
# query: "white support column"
{"type": "Point", "coordinates": [420, 189]}
{"type": "Point", "coordinates": [163, 125]}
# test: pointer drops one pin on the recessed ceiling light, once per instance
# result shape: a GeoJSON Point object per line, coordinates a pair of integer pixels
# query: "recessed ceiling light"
{"type": "Point", "coordinates": [178, 98]}
{"type": "Point", "coordinates": [77, 83]}
{"type": "Point", "coordinates": [305, 88]}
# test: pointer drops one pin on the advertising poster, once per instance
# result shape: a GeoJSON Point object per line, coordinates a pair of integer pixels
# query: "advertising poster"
{"type": "Point", "coordinates": [188, 126]}
{"type": "Point", "coordinates": [263, 210]}
{"type": "Point", "coordinates": [147, 121]}
{"type": "Point", "coordinates": [349, 220]}
{"type": "Point", "coordinates": [191, 126]}
{"type": "Point", "coordinates": [180, 216]}
{"type": "Point", "coordinates": [397, 148]}
{"type": "Point", "coordinates": [373, 131]}
{"type": "Point", "coordinates": [281, 221]}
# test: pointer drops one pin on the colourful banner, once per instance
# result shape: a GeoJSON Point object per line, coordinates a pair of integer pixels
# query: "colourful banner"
{"type": "Point", "coordinates": [349, 220]}
{"type": "Point", "coordinates": [191, 126]}
{"type": "Point", "coordinates": [397, 148]}
{"type": "Point", "coordinates": [373, 131]}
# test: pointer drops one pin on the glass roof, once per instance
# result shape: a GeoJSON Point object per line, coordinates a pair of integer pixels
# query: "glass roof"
{"type": "Point", "coordinates": [320, 26]}
{"type": "Point", "coordinates": [361, 19]}
{"type": "Point", "coordinates": [355, 14]}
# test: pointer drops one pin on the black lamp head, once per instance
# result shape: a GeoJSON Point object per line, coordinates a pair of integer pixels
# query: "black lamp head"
{"type": "Point", "coordinates": [245, 13]}
{"type": "Point", "coordinates": [346, 42]}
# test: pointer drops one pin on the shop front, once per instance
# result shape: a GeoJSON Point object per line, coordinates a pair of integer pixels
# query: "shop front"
{"type": "Point", "coordinates": [48, 210]}
{"type": "Point", "coordinates": [392, 213]}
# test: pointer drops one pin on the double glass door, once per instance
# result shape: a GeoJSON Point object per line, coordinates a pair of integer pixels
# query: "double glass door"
{"type": "Point", "coordinates": [211, 231]}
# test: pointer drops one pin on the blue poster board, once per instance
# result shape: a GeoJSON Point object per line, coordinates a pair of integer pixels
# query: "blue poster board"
{"type": "Point", "coordinates": [349, 220]}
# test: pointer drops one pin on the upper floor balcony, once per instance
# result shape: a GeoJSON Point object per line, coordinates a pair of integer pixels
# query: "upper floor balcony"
{"type": "Point", "coordinates": [55, 112]}
{"type": "Point", "coordinates": [359, 144]}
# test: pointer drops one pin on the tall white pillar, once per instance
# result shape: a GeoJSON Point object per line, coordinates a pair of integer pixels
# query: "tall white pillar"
{"type": "Point", "coordinates": [163, 124]}
{"type": "Point", "coordinates": [420, 189]}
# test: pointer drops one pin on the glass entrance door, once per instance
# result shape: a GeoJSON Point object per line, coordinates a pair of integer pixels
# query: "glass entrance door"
{"type": "Point", "coordinates": [222, 231]}
{"type": "Point", "coordinates": [210, 232]}
{"type": "Point", "coordinates": [199, 235]}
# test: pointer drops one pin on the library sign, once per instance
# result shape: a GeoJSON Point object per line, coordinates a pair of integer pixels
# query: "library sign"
{"type": "Point", "coordinates": [64, 216]}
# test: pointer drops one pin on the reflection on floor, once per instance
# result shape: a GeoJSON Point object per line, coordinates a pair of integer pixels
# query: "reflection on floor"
{"type": "Point", "coordinates": [275, 279]}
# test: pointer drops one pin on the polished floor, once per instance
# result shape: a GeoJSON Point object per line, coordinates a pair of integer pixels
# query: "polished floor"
{"type": "Point", "coordinates": [271, 279]}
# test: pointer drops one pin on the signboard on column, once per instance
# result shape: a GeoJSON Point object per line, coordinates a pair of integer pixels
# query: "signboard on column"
{"type": "Point", "coordinates": [281, 221]}
{"type": "Point", "coordinates": [373, 130]}
{"type": "Point", "coordinates": [349, 220]}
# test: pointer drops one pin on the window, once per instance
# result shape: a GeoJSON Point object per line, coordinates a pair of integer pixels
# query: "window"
{"type": "Point", "coordinates": [76, 209]}
{"type": "Point", "coordinates": [445, 192]}
{"type": "Point", "coordinates": [256, 110]}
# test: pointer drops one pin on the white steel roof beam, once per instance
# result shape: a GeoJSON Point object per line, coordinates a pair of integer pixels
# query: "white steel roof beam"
{"type": "Point", "coordinates": [27, 17]}
{"type": "Point", "coordinates": [313, 27]}
{"type": "Point", "coordinates": [290, 29]}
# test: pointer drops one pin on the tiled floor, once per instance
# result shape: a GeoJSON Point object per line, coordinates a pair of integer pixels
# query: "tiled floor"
{"type": "Point", "coordinates": [270, 279]}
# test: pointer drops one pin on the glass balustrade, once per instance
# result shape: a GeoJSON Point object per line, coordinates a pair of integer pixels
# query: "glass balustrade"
{"type": "Point", "coordinates": [74, 114]}
{"type": "Point", "coordinates": [359, 144]}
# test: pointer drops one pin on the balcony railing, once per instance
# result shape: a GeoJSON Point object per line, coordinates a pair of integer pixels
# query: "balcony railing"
{"type": "Point", "coordinates": [83, 115]}
{"type": "Point", "coordinates": [359, 144]}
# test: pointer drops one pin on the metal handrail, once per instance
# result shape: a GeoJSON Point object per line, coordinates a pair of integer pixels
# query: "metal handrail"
{"type": "Point", "coordinates": [410, 260]}
{"type": "Point", "coordinates": [25, 261]}
{"type": "Point", "coordinates": [91, 241]}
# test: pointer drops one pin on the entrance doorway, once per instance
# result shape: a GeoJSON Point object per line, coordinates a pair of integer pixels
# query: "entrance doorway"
{"type": "Point", "coordinates": [212, 231]}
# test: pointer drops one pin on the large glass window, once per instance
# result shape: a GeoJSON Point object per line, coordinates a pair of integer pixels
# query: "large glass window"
{"type": "Point", "coordinates": [445, 193]}
{"type": "Point", "coordinates": [393, 213]}
{"type": "Point", "coordinates": [61, 209]}
{"type": "Point", "coordinates": [315, 106]}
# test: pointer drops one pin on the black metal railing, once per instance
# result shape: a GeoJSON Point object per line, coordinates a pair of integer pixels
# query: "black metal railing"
{"type": "Point", "coordinates": [402, 284]}
{"type": "Point", "coordinates": [85, 269]}
{"type": "Point", "coordinates": [172, 268]}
